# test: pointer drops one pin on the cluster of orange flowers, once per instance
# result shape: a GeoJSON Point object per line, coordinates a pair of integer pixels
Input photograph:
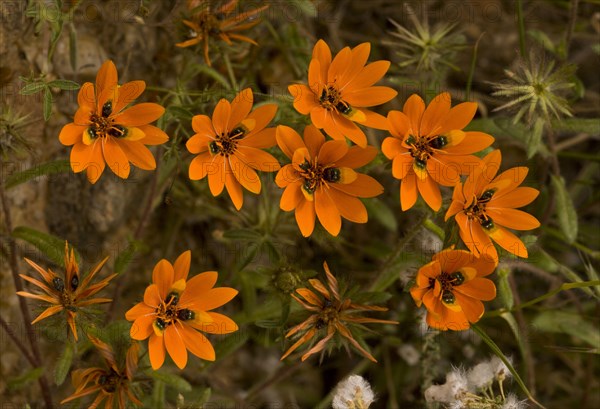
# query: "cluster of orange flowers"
{"type": "Point", "coordinates": [427, 145]}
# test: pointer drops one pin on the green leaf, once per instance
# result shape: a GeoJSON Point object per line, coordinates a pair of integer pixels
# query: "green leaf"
{"type": "Point", "coordinates": [567, 216]}
{"type": "Point", "coordinates": [32, 88]}
{"type": "Point", "coordinates": [543, 39]}
{"type": "Point", "coordinates": [246, 255]}
{"type": "Point", "coordinates": [577, 125]}
{"type": "Point", "coordinates": [180, 113]}
{"type": "Point", "coordinates": [504, 290]}
{"type": "Point", "coordinates": [535, 138]}
{"type": "Point", "coordinates": [64, 364]}
{"type": "Point", "coordinates": [47, 103]}
{"type": "Point", "coordinates": [124, 258]}
{"type": "Point", "coordinates": [19, 382]}
{"type": "Point", "coordinates": [569, 323]}
{"type": "Point", "coordinates": [231, 343]}
{"type": "Point", "coordinates": [51, 246]}
{"type": "Point", "coordinates": [158, 394]}
{"type": "Point", "coordinates": [64, 85]}
{"type": "Point", "coordinates": [174, 381]}
{"type": "Point", "coordinates": [48, 168]}
{"type": "Point", "coordinates": [498, 352]}
{"type": "Point", "coordinates": [382, 213]}
{"type": "Point", "coordinates": [243, 234]}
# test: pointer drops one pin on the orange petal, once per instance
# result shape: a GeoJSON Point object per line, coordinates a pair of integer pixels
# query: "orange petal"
{"type": "Point", "coordinates": [154, 135]}
{"type": "Point", "coordinates": [182, 265]}
{"type": "Point", "coordinates": [244, 174]}
{"type": "Point", "coordinates": [519, 197]}
{"type": "Point", "coordinates": [478, 288]}
{"type": "Point", "coordinates": [262, 116]}
{"type": "Point", "coordinates": [288, 140]}
{"type": "Point", "coordinates": [348, 128]}
{"type": "Point", "coordinates": [414, 108]}
{"type": "Point", "coordinates": [216, 175]}
{"type": "Point", "coordinates": [70, 134]}
{"type": "Point", "coordinates": [458, 117]}
{"type": "Point", "coordinates": [291, 197]}
{"type": "Point", "coordinates": [240, 107]}
{"type": "Point", "coordinates": [327, 212]}
{"type": "Point", "coordinates": [369, 75]}
{"type": "Point", "coordinates": [430, 192]}
{"type": "Point", "coordinates": [214, 298]}
{"type": "Point", "coordinates": [197, 343]}
{"type": "Point", "coordinates": [309, 296]}
{"type": "Point", "coordinates": [305, 100]}
{"type": "Point", "coordinates": [313, 139]}
{"type": "Point", "coordinates": [473, 142]}
{"type": "Point", "coordinates": [331, 151]}
{"type": "Point", "coordinates": [363, 186]}
{"type": "Point", "coordinates": [138, 154]}
{"type": "Point", "coordinates": [156, 350]}
{"type": "Point", "coordinates": [200, 166]}
{"type": "Point", "coordinates": [220, 324]}
{"type": "Point", "coordinates": [48, 312]}
{"type": "Point", "coordinates": [436, 112]}
{"type": "Point", "coordinates": [315, 78]}
{"type": "Point", "coordinates": [357, 157]}
{"type": "Point", "coordinates": [359, 57]}
{"type": "Point", "coordinates": [86, 98]}
{"type": "Point", "coordinates": [350, 207]}
{"type": "Point", "coordinates": [140, 114]}
{"type": "Point", "coordinates": [339, 64]}
{"type": "Point", "coordinates": [142, 327]}
{"type": "Point", "coordinates": [398, 124]}
{"type": "Point", "coordinates": [322, 53]}
{"type": "Point", "coordinates": [202, 125]}
{"type": "Point", "coordinates": [106, 79]}
{"type": "Point", "coordinates": [126, 94]}
{"type": "Point", "coordinates": [198, 143]}
{"type": "Point", "coordinates": [508, 241]}
{"type": "Point", "coordinates": [141, 309]}
{"type": "Point", "coordinates": [234, 189]}
{"type": "Point", "coordinates": [453, 260]}
{"type": "Point", "coordinates": [260, 140]}
{"type": "Point", "coordinates": [444, 170]}
{"type": "Point", "coordinates": [402, 165]}
{"type": "Point", "coordinates": [513, 218]}
{"type": "Point", "coordinates": [115, 157]}
{"type": "Point", "coordinates": [371, 96]}
{"type": "Point", "coordinates": [305, 217]}
{"type": "Point", "coordinates": [175, 345]}
{"type": "Point", "coordinates": [472, 308]}
{"type": "Point", "coordinates": [197, 286]}
{"type": "Point", "coordinates": [220, 117]}
{"type": "Point", "coordinates": [257, 159]}
{"type": "Point", "coordinates": [162, 276]}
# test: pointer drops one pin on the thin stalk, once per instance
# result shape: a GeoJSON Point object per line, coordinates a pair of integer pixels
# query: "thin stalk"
{"type": "Point", "coordinates": [472, 70]}
{"type": "Point", "coordinates": [571, 26]}
{"type": "Point", "coordinates": [17, 342]}
{"type": "Point", "coordinates": [14, 268]}
{"type": "Point", "coordinates": [521, 24]}
{"type": "Point", "coordinates": [232, 79]}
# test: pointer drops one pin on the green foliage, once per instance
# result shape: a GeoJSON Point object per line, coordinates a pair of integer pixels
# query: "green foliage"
{"type": "Point", "coordinates": [50, 246]}
{"type": "Point", "coordinates": [565, 210]}
{"type": "Point", "coordinates": [37, 85]}
{"type": "Point", "coordinates": [61, 369]}
{"type": "Point", "coordinates": [48, 168]}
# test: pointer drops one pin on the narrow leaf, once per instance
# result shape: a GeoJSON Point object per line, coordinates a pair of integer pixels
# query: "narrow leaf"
{"type": "Point", "coordinates": [32, 88]}
{"type": "Point", "coordinates": [565, 209]}
{"type": "Point", "coordinates": [22, 380]}
{"type": "Point", "coordinates": [48, 168]}
{"type": "Point", "coordinates": [172, 380]}
{"type": "Point", "coordinates": [64, 364]}
{"type": "Point", "coordinates": [568, 323]}
{"type": "Point", "coordinates": [64, 85]}
{"type": "Point", "coordinates": [124, 258]}
{"type": "Point", "coordinates": [504, 290]}
{"type": "Point", "coordinates": [47, 103]}
{"type": "Point", "coordinates": [382, 214]}
{"type": "Point", "coordinates": [50, 246]}
{"type": "Point", "coordinates": [535, 138]}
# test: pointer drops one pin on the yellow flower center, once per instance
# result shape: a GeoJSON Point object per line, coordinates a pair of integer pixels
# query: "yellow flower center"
{"type": "Point", "coordinates": [476, 211]}
{"type": "Point", "coordinates": [315, 174]}
{"type": "Point", "coordinates": [422, 147]}
{"type": "Point", "coordinates": [168, 312]}
{"type": "Point", "coordinates": [103, 125]}
{"type": "Point", "coordinates": [226, 143]}
{"type": "Point", "coordinates": [331, 100]}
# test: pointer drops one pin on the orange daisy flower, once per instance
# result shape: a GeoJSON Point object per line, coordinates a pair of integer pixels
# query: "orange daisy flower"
{"type": "Point", "coordinates": [429, 148]}
{"type": "Point", "coordinates": [111, 383]}
{"type": "Point", "coordinates": [485, 204]}
{"type": "Point", "coordinates": [321, 179]}
{"type": "Point", "coordinates": [174, 308]}
{"type": "Point", "coordinates": [205, 23]}
{"type": "Point", "coordinates": [330, 311]}
{"type": "Point", "coordinates": [104, 131]}
{"type": "Point", "coordinates": [69, 294]}
{"type": "Point", "coordinates": [339, 91]}
{"type": "Point", "coordinates": [452, 287]}
{"type": "Point", "coordinates": [229, 146]}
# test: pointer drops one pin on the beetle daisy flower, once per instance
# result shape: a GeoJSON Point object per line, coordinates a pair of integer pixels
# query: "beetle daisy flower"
{"type": "Point", "coordinates": [452, 287]}
{"type": "Point", "coordinates": [68, 293]}
{"type": "Point", "coordinates": [486, 204]}
{"type": "Point", "coordinates": [321, 179]}
{"type": "Point", "coordinates": [229, 146]}
{"type": "Point", "coordinates": [106, 132]}
{"type": "Point", "coordinates": [332, 312]}
{"type": "Point", "coordinates": [206, 23]}
{"type": "Point", "coordinates": [339, 91]}
{"type": "Point", "coordinates": [111, 382]}
{"type": "Point", "coordinates": [174, 308]}
{"type": "Point", "coordinates": [429, 148]}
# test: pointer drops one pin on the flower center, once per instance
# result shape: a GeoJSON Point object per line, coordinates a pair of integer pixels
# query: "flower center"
{"type": "Point", "coordinates": [110, 381]}
{"type": "Point", "coordinates": [66, 295]}
{"type": "Point", "coordinates": [314, 175]}
{"type": "Point", "coordinates": [103, 125]}
{"type": "Point", "coordinates": [447, 282]}
{"type": "Point", "coordinates": [226, 143]}
{"type": "Point", "coordinates": [328, 313]}
{"type": "Point", "coordinates": [168, 312]}
{"type": "Point", "coordinates": [331, 99]}
{"type": "Point", "coordinates": [422, 148]}
{"type": "Point", "coordinates": [477, 209]}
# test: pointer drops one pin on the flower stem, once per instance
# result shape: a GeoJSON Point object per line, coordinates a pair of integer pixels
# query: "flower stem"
{"type": "Point", "coordinates": [521, 24]}
{"type": "Point", "coordinates": [14, 268]}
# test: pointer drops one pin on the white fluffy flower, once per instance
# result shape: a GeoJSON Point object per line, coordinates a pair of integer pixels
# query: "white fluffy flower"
{"type": "Point", "coordinates": [450, 392]}
{"type": "Point", "coordinates": [512, 402]}
{"type": "Point", "coordinates": [410, 354]}
{"type": "Point", "coordinates": [499, 369]}
{"type": "Point", "coordinates": [353, 392]}
{"type": "Point", "coordinates": [480, 376]}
